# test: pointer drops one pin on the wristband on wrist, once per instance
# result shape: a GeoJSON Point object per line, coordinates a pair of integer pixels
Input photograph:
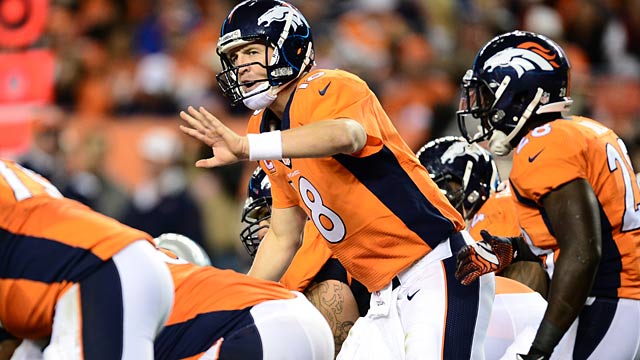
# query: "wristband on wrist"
{"type": "Point", "coordinates": [265, 146]}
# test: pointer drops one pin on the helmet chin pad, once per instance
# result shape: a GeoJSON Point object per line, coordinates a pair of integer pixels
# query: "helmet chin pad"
{"type": "Point", "coordinates": [499, 144]}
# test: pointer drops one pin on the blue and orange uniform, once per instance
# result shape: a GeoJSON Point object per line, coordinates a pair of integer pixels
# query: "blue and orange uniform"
{"type": "Point", "coordinates": [214, 314]}
{"type": "Point", "coordinates": [49, 245]}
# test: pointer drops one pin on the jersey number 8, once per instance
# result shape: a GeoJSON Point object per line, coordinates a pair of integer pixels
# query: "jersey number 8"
{"type": "Point", "coordinates": [312, 199]}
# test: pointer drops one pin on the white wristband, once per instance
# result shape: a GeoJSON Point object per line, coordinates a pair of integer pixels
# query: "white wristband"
{"type": "Point", "coordinates": [265, 146]}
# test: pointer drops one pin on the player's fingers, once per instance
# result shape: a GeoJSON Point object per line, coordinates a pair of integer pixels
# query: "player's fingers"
{"type": "Point", "coordinates": [193, 122]}
{"type": "Point", "coordinates": [204, 122]}
{"type": "Point", "coordinates": [486, 236]}
{"type": "Point", "coordinates": [463, 271]}
{"type": "Point", "coordinates": [463, 259]}
{"type": "Point", "coordinates": [464, 252]}
{"type": "Point", "coordinates": [211, 120]}
{"type": "Point", "coordinates": [461, 266]}
{"type": "Point", "coordinates": [207, 163]}
{"type": "Point", "coordinates": [197, 134]}
{"type": "Point", "coordinates": [470, 278]}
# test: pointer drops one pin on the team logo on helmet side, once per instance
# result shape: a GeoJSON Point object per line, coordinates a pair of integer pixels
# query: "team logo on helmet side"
{"type": "Point", "coordinates": [265, 184]}
{"type": "Point", "coordinates": [279, 13]}
{"type": "Point", "coordinates": [455, 150]}
{"type": "Point", "coordinates": [527, 56]}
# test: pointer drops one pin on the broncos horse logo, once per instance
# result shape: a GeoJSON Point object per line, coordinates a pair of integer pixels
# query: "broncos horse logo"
{"type": "Point", "coordinates": [527, 56]}
{"type": "Point", "coordinates": [458, 149]}
{"type": "Point", "coordinates": [280, 13]}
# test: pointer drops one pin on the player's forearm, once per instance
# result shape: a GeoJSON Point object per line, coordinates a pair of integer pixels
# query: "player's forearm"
{"type": "Point", "coordinates": [570, 287]}
{"type": "Point", "coordinates": [573, 211]}
{"type": "Point", "coordinates": [272, 259]}
{"type": "Point", "coordinates": [8, 347]}
{"type": "Point", "coordinates": [323, 138]}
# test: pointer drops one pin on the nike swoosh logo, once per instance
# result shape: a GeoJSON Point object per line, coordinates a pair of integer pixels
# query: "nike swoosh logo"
{"type": "Point", "coordinates": [533, 158]}
{"type": "Point", "coordinates": [323, 91]}
{"type": "Point", "coordinates": [409, 297]}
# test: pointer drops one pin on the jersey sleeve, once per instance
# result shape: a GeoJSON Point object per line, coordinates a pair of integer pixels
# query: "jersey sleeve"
{"type": "Point", "coordinates": [282, 193]}
{"type": "Point", "coordinates": [543, 162]}
{"type": "Point", "coordinates": [327, 95]}
{"type": "Point", "coordinates": [497, 216]}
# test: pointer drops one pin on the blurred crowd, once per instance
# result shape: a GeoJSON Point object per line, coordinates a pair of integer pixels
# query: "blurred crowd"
{"type": "Point", "coordinates": [124, 69]}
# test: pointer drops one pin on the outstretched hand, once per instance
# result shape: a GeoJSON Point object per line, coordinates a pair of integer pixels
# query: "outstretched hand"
{"type": "Point", "coordinates": [228, 147]}
{"type": "Point", "coordinates": [492, 254]}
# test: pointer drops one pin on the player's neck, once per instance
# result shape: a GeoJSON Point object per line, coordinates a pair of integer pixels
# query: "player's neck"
{"type": "Point", "coordinates": [279, 105]}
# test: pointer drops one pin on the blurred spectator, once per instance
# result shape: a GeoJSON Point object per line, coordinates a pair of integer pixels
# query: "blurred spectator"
{"type": "Point", "coordinates": [622, 39]}
{"type": "Point", "coordinates": [216, 192]}
{"type": "Point", "coordinates": [45, 155]}
{"type": "Point", "coordinates": [162, 203]}
{"type": "Point", "coordinates": [543, 20]}
{"type": "Point", "coordinates": [120, 60]}
{"type": "Point", "coordinates": [87, 181]}
{"type": "Point", "coordinates": [585, 23]}
{"type": "Point", "coordinates": [154, 82]}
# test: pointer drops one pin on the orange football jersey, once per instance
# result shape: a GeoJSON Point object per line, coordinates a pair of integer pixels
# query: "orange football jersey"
{"type": "Point", "coordinates": [567, 149]}
{"type": "Point", "coordinates": [497, 215]}
{"type": "Point", "coordinates": [209, 305]}
{"type": "Point", "coordinates": [47, 243]}
{"type": "Point", "coordinates": [377, 209]}
{"type": "Point", "coordinates": [205, 289]}
{"type": "Point", "coordinates": [308, 261]}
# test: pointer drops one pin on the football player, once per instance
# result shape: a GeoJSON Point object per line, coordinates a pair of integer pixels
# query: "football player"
{"type": "Point", "coordinates": [221, 314]}
{"type": "Point", "coordinates": [227, 315]}
{"type": "Point", "coordinates": [576, 196]}
{"type": "Point", "coordinates": [467, 174]}
{"type": "Point", "coordinates": [94, 286]}
{"type": "Point", "coordinates": [333, 156]}
{"type": "Point", "coordinates": [313, 270]}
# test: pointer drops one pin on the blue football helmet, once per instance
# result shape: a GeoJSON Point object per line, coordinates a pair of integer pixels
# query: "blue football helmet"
{"type": "Point", "coordinates": [276, 24]}
{"type": "Point", "coordinates": [451, 159]}
{"type": "Point", "coordinates": [257, 208]}
{"type": "Point", "coordinates": [514, 76]}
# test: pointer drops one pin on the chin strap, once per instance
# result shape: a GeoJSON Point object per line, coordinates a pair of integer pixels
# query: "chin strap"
{"type": "Point", "coordinates": [264, 96]}
{"type": "Point", "coordinates": [500, 143]}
